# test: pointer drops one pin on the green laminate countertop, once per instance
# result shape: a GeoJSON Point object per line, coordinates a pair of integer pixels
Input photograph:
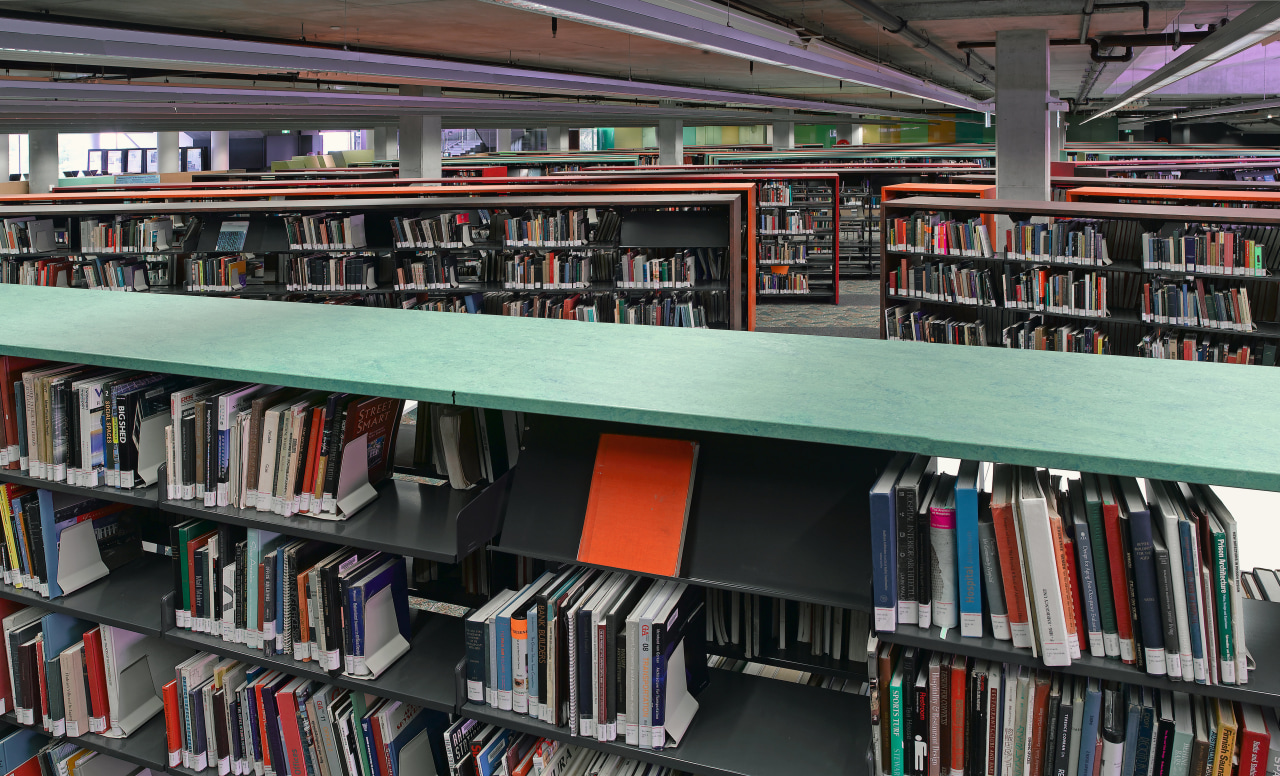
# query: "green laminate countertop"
{"type": "Point", "coordinates": [1198, 422]}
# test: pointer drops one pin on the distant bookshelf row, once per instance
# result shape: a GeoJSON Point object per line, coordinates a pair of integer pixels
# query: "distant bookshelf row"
{"type": "Point", "coordinates": [1176, 283]}
{"type": "Point", "coordinates": [799, 249]}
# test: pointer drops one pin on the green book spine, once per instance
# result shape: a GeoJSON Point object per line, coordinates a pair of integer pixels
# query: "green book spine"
{"type": "Point", "coordinates": [1222, 591]}
{"type": "Point", "coordinates": [895, 723]}
{"type": "Point", "coordinates": [358, 712]}
{"type": "Point", "coordinates": [1102, 574]}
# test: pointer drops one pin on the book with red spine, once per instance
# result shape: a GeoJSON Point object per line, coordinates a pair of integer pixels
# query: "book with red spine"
{"type": "Point", "coordinates": [172, 722]}
{"type": "Point", "coordinates": [1255, 740]}
{"type": "Point", "coordinates": [959, 683]}
{"type": "Point", "coordinates": [1077, 598]}
{"type": "Point", "coordinates": [378, 757]}
{"type": "Point", "coordinates": [1038, 720]}
{"type": "Point", "coordinates": [99, 713]}
{"type": "Point", "coordinates": [1119, 574]}
{"type": "Point", "coordinates": [291, 736]}
{"type": "Point", "coordinates": [29, 768]}
{"type": "Point", "coordinates": [258, 689]}
{"type": "Point", "coordinates": [1003, 521]}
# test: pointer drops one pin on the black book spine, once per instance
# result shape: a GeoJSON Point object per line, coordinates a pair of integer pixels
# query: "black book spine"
{"type": "Point", "coordinates": [1066, 718]}
{"type": "Point", "coordinates": [35, 536]}
{"type": "Point", "coordinates": [975, 750]}
{"type": "Point", "coordinates": [188, 449]}
{"type": "Point", "coordinates": [917, 758]}
{"type": "Point", "coordinates": [72, 407]}
{"type": "Point", "coordinates": [201, 557]}
{"type": "Point", "coordinates": [1168, 605]}
{"type": "Point", "coordinates": [241, 600]}
{"type": "Point", "coordinates": [176, 559]}
{"type": "Point", "coordinates": [907, 573]}
{"type": "Point", "coordinates": [210, 473]}
{"type": "Point", "coordinates": [586, 679]}
{"type": "Point", "coordinates": [1051, 735]}
{"type": "Point", "coordinates": [330, 615]}
{"type": "Point", "coordinates": [924, 564]}
{"type": "Point", "coordinates": [334, 464]}
{"type": "Point", "coordinates": [15, 649]}
{"type": "Point", "coordinates": [541, 600]}
{"type": "Point", "coordinates": [1131, 575]}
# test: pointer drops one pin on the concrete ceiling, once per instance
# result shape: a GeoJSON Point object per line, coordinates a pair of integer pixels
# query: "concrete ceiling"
{"type": "Point", "coordinates": [474, 31]}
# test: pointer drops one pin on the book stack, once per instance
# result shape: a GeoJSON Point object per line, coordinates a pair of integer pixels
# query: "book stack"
{"type": "Point", "coordinates": [126, 234]}
{"type": "Point", "coordinates": [1066, 241]}
{"type": "Point", "coordinates": [325, 231]}
{"type": "Point", "coordinates": [782, 283]}
{"type": "Point", "coordinates": [937, 713]}
{"type": "Point", "coordinates": [475, 749]}
{"type": "Point", "coordinates": [550, 270]}
{"type": "Point", "coordinates": [219, 273]}
{"type": "Point", "coordinates": [641, 269]}
{"type": "Point", "coordinates": [775, 193]}
{"type": "Point", "coordinates": [1220, 251]}
{"type": "Point", "coordinates": [1068, 292]}
{"type": "Point", "coordinates": [1192, 347]}
{"type": "Point", "coordinates": [114, 274]}
{"type": "Point", "coordinates": [466, 444]}
{"type": "Point", "coordinates": [42, 272]}
{"type": "Point", "coordinates": [783, 253]}
{"type": "Point", "coordinates": [940, 281]}
{"type": "Point", "coordinates": [1035, 334]}
{"type": "Point", "coordinates": [688, 310]}
{"type": "Point", "coordinates": [305, 599]}
{"type": "Point", "coordinates": [610, 656]}
{"type": "Point", "coordinates": [1063, 566]}
{"type": "Point", "coordinates": [448, 230]}
{"type": "Point", "coordinates": [72, 678]}
{"type": "Point", "coordinates": [232, 717]}
{"type": "Point", "coordinates": [27, 235]}
{"type": "Point", "coordinates": [560, 229]}
{"type": "Point", "coordinates": [934, 233]}
{"type": "Point", "coordinates": [331, 273]}
{"type": "Point", "coordinates": [425, 272]}
{"type": "Point", "coordinates": [905, 324]}
{"type": "Point", "coordinates": [56, 543]}
{"type": "Point", "coordinates": [798, 222]}
{"type": "Point", "coordinates": [1187, 303]}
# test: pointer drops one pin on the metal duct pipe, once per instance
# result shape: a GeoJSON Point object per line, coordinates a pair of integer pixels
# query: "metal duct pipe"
{"type": "Point", "coordinates": [896, 25]}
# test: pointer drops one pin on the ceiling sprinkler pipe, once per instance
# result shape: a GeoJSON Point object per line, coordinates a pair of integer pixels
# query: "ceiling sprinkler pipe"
{"type": "Point", "coordinates": [896, 25]}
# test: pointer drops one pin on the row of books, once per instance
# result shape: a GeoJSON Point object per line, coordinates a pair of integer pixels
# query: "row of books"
{"type": "Point", "coordinates": [56, 543]}
{"type": "Point", "coordinates": [933, 233]}
{"type": "Point", "coordinates": [1066, 292]}
{"type": "Point", "coordinates": [904, 324]}
{"type": "Point", "coordinates": [786, 253]}
{"type": "Point", "coordinates": [549, 270]}
{"type": "Point", "coordinates": [784, 193]}
{"type": "Point", "coordinates": [326, 231]}
{"type": "Point", "coordinates": [1035, 334]}
{"type": "Point", "coordinates": [788, 222]}
{"type": "Point", "coordinates": [27, 234]}
{"type": "Point", "coordinates": [43, 272]}
{"type": "Point", "coordinates": [125, 234]}
{"type": "Point", "coordinates": [1207, 250]}
{"type": "Point", "coordinates": [219, 273]}
{"type": "Point", "coordinates": [115, 274]}
{"type": "Point", "coordinates": [447, 230]}
{"type": "Point", "coordinates": [1066, 241]}
{"type": "Point", "coordinates": [613, 657]}
{"type": "Point", "coordinates": [231, 717]}
{"type": "Point", "coordinates": [1188, 304]}
{"type": "Point", "coordinates": [1261, 584]}
{"type": "Point", "coordinates": [467, 444]}
{"type": "Point", "coordinates": [306, 599]}
{"type": "Point", "coordinates": [698, 310]}
{"type": "Point", "coordinates": [761, 625]}
{"type": "Point", "coordinates": [943, 281]}
{"type": "Point", "coordinates": [641, 269]}
{"type": "Point", "coordinates": [1063, 566]}
{"type": "Point", "coordinates": [782, 283]}
{"type": "Point", "coordinates": [69, 677]}
{"type": "Point", "coordinates": [425, 272]}
{"type": "Point", "coordinates": [1192, 347]}
{"type": "Point", "coordinates": [935, 713]}
{"type": "Point", "coordinates": [560, 229]}
{"type": "Point", "coordinates": [477, 749]}
{"type": "Point", "coordinates": [331, 273]}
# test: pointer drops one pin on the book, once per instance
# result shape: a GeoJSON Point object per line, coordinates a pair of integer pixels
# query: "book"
{"type": "Point", "coordinates": [968, 552]}
{"type": "Point", "coordinates": [1139, 516]}
{"type": "Point", "coordinates": [639, 504]}
{"type": "Point", "coordinates": [1011, 570]}
{"type": "Point", "coordinates": [944, 596]}
{"type": "Point", "coordinates": [884, 570]}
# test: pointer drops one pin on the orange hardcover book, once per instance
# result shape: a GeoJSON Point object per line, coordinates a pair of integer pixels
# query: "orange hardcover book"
{"type": "Point", "coordinates": [638, 510]}
{"type": "Point", "coordinates": [1037, 715]}
{"type": "Point", "coordinates": [29, 768]}
{"type": "Point", "coordinates": [172, 725]}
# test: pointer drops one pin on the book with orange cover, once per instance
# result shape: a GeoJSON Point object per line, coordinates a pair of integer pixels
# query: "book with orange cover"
{"type": "Point", "coordinates": [99, 712]}
{"type": "Point", "coordinates": [638, 509]}
{"type": "Point", "coordinates": [172, 724]}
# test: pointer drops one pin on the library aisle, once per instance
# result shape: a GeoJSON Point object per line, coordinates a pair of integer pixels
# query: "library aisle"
{"type": "Point", "coordinates": [857, 315]}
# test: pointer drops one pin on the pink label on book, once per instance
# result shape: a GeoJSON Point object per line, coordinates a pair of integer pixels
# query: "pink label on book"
{"type": "Point", "coordinates": [942, 518]}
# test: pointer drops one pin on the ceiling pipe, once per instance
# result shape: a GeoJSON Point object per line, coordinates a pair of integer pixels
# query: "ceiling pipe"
{"type": "Point", "coordinates": [1097, 45]}
{"type": "Point", "coordinates": [896, 25]}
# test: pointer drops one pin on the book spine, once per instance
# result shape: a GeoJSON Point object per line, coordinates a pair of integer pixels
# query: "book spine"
{"type": "Point", "coordinates": [908, 603]}
{"type": "Point", "coordinates": [1011, 571]}
{"type": "Point", "coordinates": [884, 573]}
{"type": "Point", "coordinates": [1119, 582]}
{"type": "Point", "coordinates": [1089, 589]}
{"type": "Point", "coordinates": [968, 562]}
{"type": "Point", "coordinates": [942, 543]}
{"type": "Point", "coordinates": [1149, 620]}
{"type": "Point", "coordinates": [989, 555]}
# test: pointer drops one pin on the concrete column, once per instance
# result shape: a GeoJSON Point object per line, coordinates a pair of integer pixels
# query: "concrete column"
{"type": "Point", "coordinates": [169, 155]}
{"type": "Point", "coordinates": [386, 143]}
{"type": "Point", "coordinates": [857, 135]}
{"type": "Point", "coordinates": [420, 138]}
{"type": "Point", "coordinates": [557, 139]}
{"type": "Point", "coordinates": [670, 141]}
{"type": "Point", "coordinates": [504, 140]}
{"type": "Point", "coordinates": [219, 150]}
{"type": "Point", "coordinates": [4, 158]}
{"type": "Point", "coordinates": [1057, 136]}
{"type": "Point", "coordinates": [784, 132]}
{"type": "Point", "coordinates": [43, 152]}
{"type": "Point", "coordinates": [844, 132]}
{"type": "Point", "coordinates": [1023, 120]}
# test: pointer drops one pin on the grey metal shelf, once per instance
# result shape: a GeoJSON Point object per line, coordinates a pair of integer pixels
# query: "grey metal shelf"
{"type": "Point", "coordinates": [146, 747]}
{"type": "Point", "coordinates": [126, 598]}
{"type": "Point", "coordinates": [146, 497]}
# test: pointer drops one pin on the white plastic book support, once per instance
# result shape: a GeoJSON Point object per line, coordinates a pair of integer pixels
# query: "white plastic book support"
{"type": "Point", "coordinates": [79, 561]}
{"type": "Point", "coordinates": [354, 490]}
{"type": "Point", "coordinates": [416, 758]}
{"type": "Point", "coordinates": [138, 699]}
{"type": "Point", "coordinates": [383, 644]}
{"type": "Point", "coordinates": [151, 452]}
{"type": "Point", "coordinates": [680, 705]}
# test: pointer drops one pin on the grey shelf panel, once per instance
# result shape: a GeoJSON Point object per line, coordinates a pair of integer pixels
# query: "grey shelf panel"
{"type": "Point", "coordinates": [768, 516]}
{"type": "Point", "coordinates": [146, 747]}
{"type": "Point", "coordinates": [126, 598]}
{"type": "Point", "coordinates": [145, 497]}
{"type": "Point", "coordinates": [796, 657]}
{"type": "Point", "coordinates": [425, 675]}
{"type": "Point", "coordinates": [1262, 635]}
{"type": "Point", "coordinates": [425, 521]}
{"type": "Point", "coordinates": [745, 726]}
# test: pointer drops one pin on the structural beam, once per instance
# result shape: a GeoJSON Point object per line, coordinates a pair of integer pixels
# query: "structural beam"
{"type": "Point", "coordinates": [4, 158]}
{"type": "Point", "coordinates": [220, 150]}
{"type": "Point", "coordinates": [1023, 131]}
{"type": "Point", "coordinates": [557, 139]}
{"type": "Point", "coordinates": [784, 132]}
{"type": "Point", "coordinates": [420, 139]}
{"type": "Point", "coordinates": [504, 139]}
{"type": "Point", "coordinates": [670, 142]}
{"type": "Point", "coordinates": [42, 152]}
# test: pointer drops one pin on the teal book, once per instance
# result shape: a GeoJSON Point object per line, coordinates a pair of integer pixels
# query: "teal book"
{"type": "Point", "coordinates": [968, 556]}
{"type": "Point", "coordinates": [895, 722]}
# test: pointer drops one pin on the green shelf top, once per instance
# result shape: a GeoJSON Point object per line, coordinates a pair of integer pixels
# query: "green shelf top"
{"type": "Point", "coordinates": [1168, 419]}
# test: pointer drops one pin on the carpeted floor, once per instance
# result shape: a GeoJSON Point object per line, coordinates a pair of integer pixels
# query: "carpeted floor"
{"type": "Point", "coordinates": [857, 315]}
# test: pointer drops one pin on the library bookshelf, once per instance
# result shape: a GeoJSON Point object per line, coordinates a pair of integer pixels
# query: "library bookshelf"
{"type": "Point", "coordinates": [746, 725]}
{"type": "Point", "coordinates": [1127, 276]}
{"type": "Point", "coordinates": [723, 223]}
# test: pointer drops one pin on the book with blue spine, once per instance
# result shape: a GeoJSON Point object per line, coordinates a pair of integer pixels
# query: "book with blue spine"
{"type": "Point", "coordinates": [884, 545]}
{"type": "Point", "coordinates": [1134, 507]}
{"type": "Point", "coordinates": [1132, 722]}
{"type": "Point", "coordinates": [968, 558]}
{"type": "Point", "coordinates": [389, 574]}
{"type": "Point", "coordinates": [260, 543]}
{"type": "Point", "coordinates": [1078, 528]}
{"type": "Point", "coordinates": [1195, 599]}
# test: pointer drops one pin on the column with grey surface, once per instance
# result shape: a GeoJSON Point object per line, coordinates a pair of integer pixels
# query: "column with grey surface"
{"type": "Point", "coordinates": [1022, 114]}
{"type": "Point", "coordinates": [844, 131]}
{"type": "Point", "coordinates": [420, 138]}
{"type": "Point", "coordinates": [670, 141]}
{"type": "Point", "coordinates": [42, 148]}
{"type": "Point", "coordinates": [784, 131]}
{"type": "Point", "coordinates": [504, 139]}
{"type": "Point", "coordinates": [557, 139]}
{"type": "Point", "coordinates": [220, 150]}
{"type": "Point", "coordinates": [4, 158]}
{"type": "Point", "coordinates": [168, 154]}
{"type": "Point", "coordinates": [386, 143]}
